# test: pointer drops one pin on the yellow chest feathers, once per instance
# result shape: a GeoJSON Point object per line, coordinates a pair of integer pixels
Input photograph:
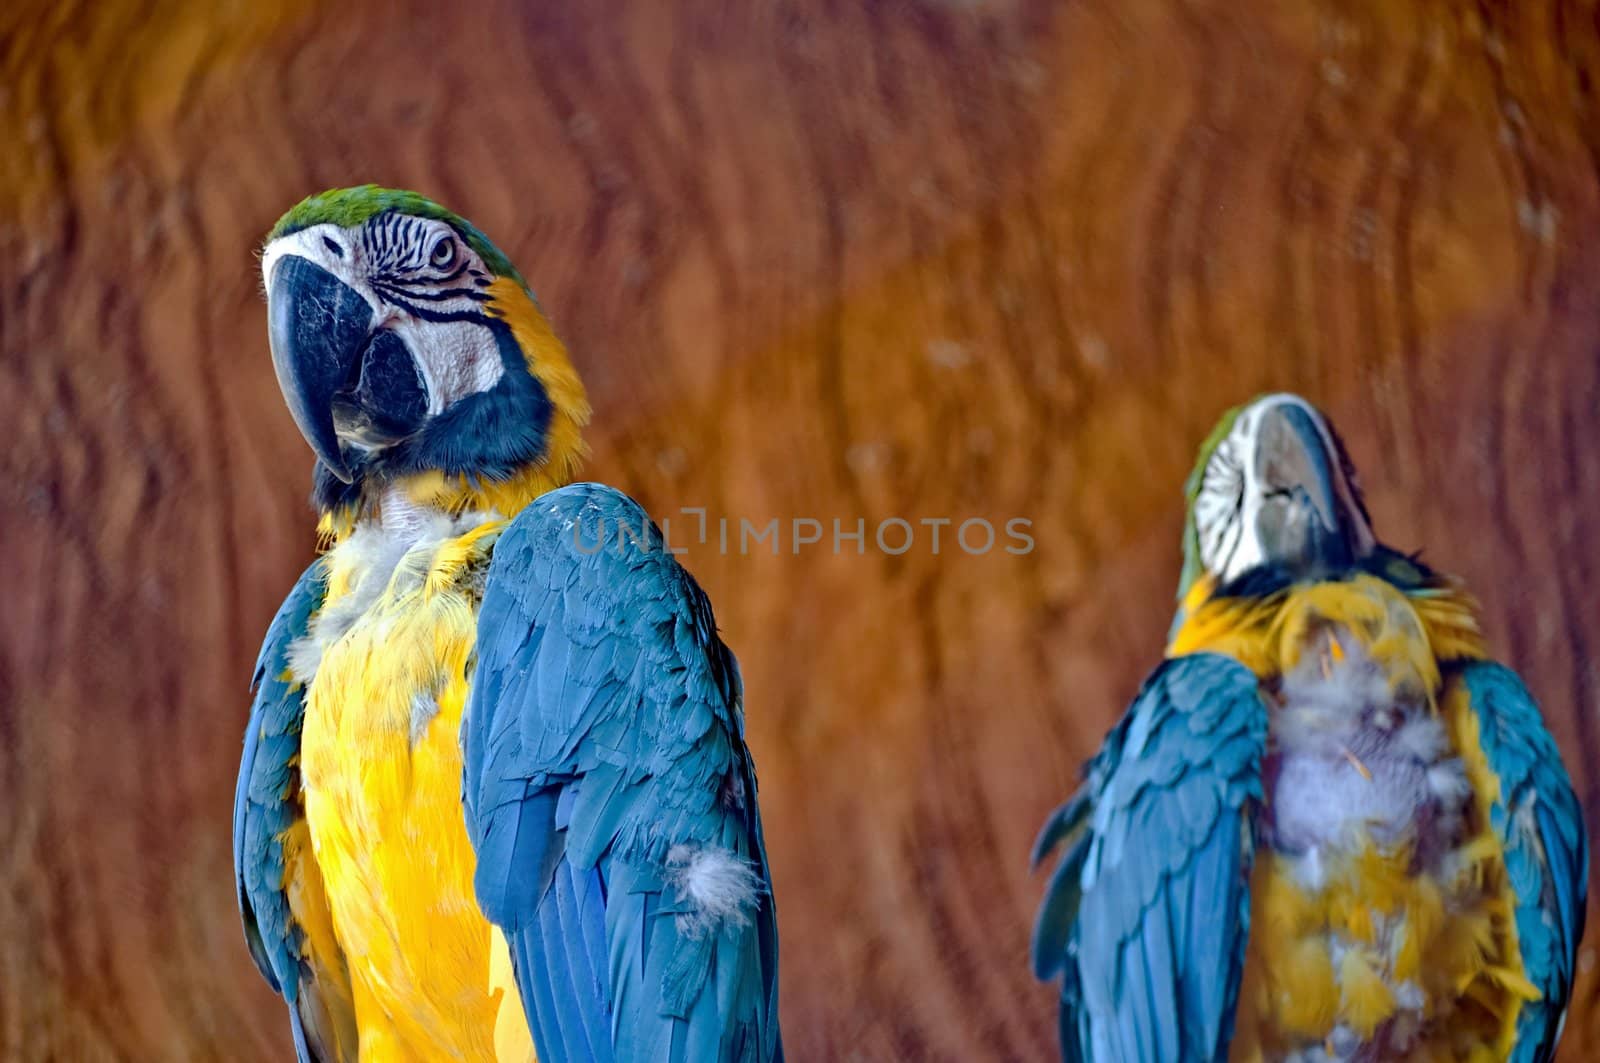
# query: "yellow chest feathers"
{"type": "Point", "coordinates": [387, 659]}
{"type": "Point", "coordinates": [1381, 918]}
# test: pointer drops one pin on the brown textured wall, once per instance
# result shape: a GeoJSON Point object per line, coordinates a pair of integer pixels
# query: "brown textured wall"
{"type": "Point", "coordinates": [1001, 258]}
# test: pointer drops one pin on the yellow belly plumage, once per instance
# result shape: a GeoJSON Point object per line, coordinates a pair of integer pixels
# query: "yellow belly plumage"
{"type": "Point", "coordinates": [1442, 939]}
{"type": "Point", "coordinates": [381, 769]}
{"type": "Point", "coordinates": [1359, 947]}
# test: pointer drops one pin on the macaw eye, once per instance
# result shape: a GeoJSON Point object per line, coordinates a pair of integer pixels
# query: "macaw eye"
{"type": "Point", "coordinates": [443, 254]}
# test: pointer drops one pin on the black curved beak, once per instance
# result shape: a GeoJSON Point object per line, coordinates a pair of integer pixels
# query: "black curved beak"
{"type": "Point", "coordinates": [318, 327]}
{"type": "Point", "coordinates": [1304, 518]}
{"type": "Point", "coordinates": [346, 383]}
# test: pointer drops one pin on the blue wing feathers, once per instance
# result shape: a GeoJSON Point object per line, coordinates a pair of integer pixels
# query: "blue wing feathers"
{"type": "Point", "coordinates": [1060, 825]}
{"type": "Point", "coordinates": [573, 1009]}
{"type": "Point", "coordinates": [1146, 915]}
{"type": "Point", "coordinates": [519, 848]}
{"type": "Point", "coordinates": [538, 1006]}
{"type": "Point", "coordinates": [1540, 824]}
{"type": "Point", "coordinates": [260, 811]}
{"type": "Point", "coordinates": [583, 919]}
{"type": "Point", "coordinates": [1052, 929]}
{"type": "Point", "coordinates": [267, 804]}
{"type": "Point", "coordinates": [566, 1014]}
{"type": "Point", "coordinates": [600, 683]}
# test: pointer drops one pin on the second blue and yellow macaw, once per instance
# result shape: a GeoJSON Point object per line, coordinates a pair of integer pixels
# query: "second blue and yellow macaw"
{"type": "Point", "coordinates": [1328, 828]}
{"type": "Point", "coordinates": [495, 794]}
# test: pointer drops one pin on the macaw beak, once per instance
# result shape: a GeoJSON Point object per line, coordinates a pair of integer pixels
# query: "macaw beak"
{"type": "Point", "coordinates": [344, 381]}
{"type": "Point", "coordinates": [1305, 514]}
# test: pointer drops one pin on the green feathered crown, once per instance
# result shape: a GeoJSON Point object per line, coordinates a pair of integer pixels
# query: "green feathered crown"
{"type": "Point", "coordinates": [347, 207]}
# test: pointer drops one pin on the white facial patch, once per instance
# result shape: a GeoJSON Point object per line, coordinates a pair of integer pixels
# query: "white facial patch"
{"type": "Point", "coordinates": [456, 357]}
{"type": "Point", "coordinates": [722, 887]}
{"type": "Point", "coordinates": [334, 249]}
{"type": "Point", "coordinates": [1227, 509]}
{"type": "Point", "coordinates": [1224, 508]}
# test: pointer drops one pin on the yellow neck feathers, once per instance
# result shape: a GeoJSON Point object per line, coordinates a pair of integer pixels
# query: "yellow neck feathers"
{"type": "Point", "coordinates": [1268, 634]}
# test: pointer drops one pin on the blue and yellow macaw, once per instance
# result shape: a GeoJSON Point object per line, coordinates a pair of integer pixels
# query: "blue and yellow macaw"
{"type": "Point", "coordinates": [1328, 828]}
{"type": "Point", "coordinates": [495, 795]}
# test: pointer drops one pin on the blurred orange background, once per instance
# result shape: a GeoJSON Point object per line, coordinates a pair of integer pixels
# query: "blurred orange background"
{"type": "Point", "coordinates": [970, 258]}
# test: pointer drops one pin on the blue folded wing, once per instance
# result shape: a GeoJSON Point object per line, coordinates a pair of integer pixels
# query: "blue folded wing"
{"type": "Point", "coordinates": [266, 806]}
{"type": "Point", "coordinates": [1146, 916]}
{"type": "Point", "coordinates": [611, 799]}
{"type": "Point", "coordinates": [1540, 824]}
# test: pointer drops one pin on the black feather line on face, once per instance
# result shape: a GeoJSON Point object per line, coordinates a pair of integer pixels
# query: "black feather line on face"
{"type": "Point", "coordinates": [396, 290]}
{"type": "Point", "coordinates": [417, 310]}
{"type": "Point", "coordinates": [1224, 481]}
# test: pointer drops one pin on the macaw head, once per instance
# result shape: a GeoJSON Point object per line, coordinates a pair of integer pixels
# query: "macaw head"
{"type": "Point", "coordinates": [1273, 489]}
{"type": "Point", "coordinates": [411, 354]}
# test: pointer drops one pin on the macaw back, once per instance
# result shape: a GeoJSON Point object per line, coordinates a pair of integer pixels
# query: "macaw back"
{"type": "Point", "coordinates": [1383, 923]}
{"type": "Point", "coordinates": [386, 667]}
